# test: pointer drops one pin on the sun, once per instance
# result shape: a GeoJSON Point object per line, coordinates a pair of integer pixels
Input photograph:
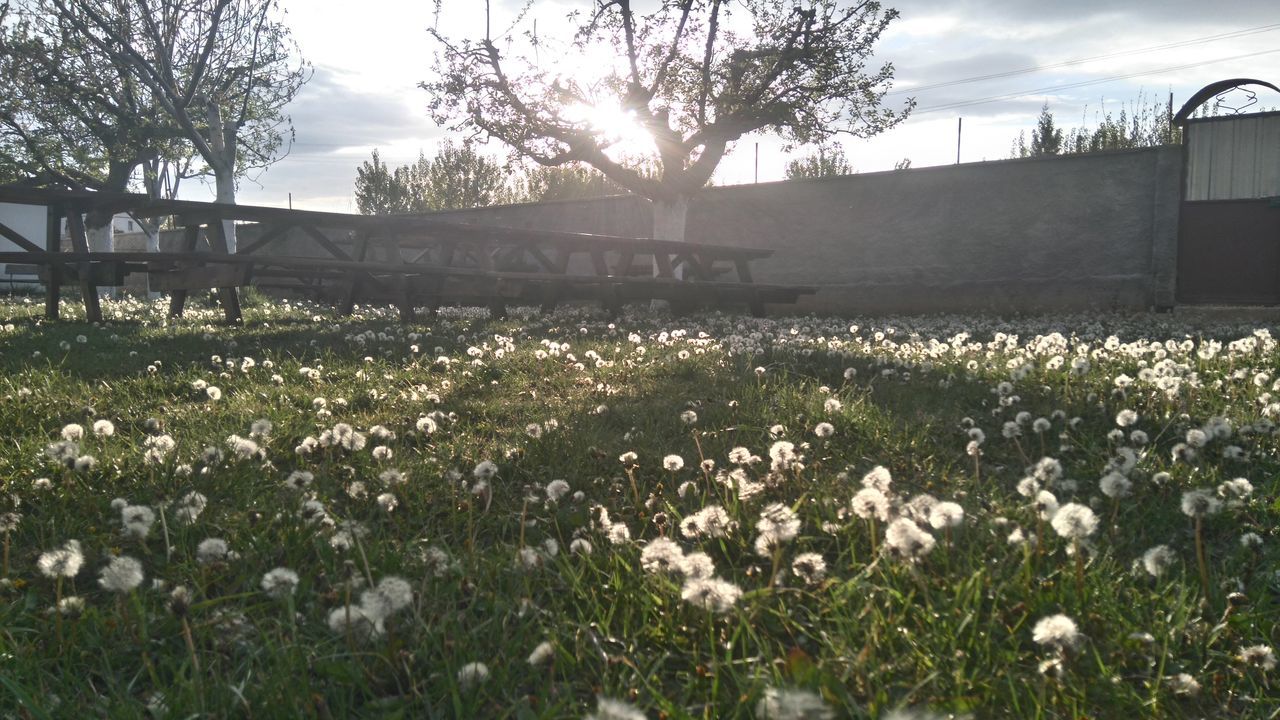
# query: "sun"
{"type": "Point", "coordinates": [624, 138]}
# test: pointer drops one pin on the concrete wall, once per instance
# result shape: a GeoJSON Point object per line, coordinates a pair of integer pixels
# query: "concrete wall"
{"type": "Point", "coordinates": [29, 222]}
{"type": "Point", "coordinates": [1077, 232]}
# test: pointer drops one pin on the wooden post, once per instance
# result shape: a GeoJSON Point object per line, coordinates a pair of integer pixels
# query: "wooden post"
{"type": "Point", "coordinates": [228, 296]}
{"type": "Point", "coordinates": [553, 290]}
{"type": "Point", "coordinates": [89, 289]}
{"type": "Point", "coordinates": [497, 307]}
{"type": "Point", "coordinates": [355, 278]}
{"type": "Point", "coordinates": [178, 298]}
{"type": "Point", "coordinates": [754, 303]}
{"type": "Point", "coordinates": [399, 284]}
{"type": "Point", "coordinates": [53, 244]}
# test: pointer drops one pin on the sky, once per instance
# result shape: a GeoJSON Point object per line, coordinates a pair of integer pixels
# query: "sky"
{"type": "Point", "coordinates": [1083, 58]}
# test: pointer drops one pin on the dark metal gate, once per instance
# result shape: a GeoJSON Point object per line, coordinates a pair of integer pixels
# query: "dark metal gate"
{"type": "Point", "coordinates": [1229, 223]}
{"type": "Point", "coordinates": [1229, 252]}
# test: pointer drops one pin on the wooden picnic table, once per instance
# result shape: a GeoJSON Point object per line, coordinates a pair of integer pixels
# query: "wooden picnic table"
{"type": "Point", "coordinates": [407, 260]}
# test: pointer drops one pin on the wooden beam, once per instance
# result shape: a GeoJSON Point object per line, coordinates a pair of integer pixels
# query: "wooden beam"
{"type": "Point", "coordinates": [53, 245]}
{"type": "Point", "coordinates": [229, 296]}
{"type": "Point", "coordinates": [201, 278]}
{"type": "Point", "coordinates": [17, 239]}
{"type": "Point", "coordinates": [354, 280]}
{"type": "Point", "coordinates": [178, 298]}
{"type": "Point", "coordinates": [325, 242]}
{"type": "Point", "coordinates": [80, 243]}
{"type": "Point", "coordinates": [268, 235]}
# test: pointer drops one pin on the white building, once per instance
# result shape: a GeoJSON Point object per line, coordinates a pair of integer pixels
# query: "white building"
{"type": "Point", "coordinates": [29, 222]}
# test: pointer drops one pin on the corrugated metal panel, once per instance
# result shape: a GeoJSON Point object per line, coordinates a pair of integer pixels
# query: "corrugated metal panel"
{"type": "Point", "coordinates": [1235, 158]}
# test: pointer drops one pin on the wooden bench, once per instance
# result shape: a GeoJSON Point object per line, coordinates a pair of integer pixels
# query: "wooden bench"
{"type": "Point", "coordinates": [411, 261]}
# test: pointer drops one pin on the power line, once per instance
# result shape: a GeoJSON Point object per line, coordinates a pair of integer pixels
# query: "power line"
{"type": "Point", "coordinates": [1081, 61]}
{"type": "Point", "coordinates": [1084, 83]}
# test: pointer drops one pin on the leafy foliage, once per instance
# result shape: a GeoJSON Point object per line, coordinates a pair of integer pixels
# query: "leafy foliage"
{"type": "Point", "coordinates": [518, 477]}
{"type": "Point", "coordinates": [696, 74]}
{"type": "Point", "coordinates": [107, 87]}
{"type": "Point", "coordinates": [825, 162]}
{"type": "Point", "coordinates": [1144, 123]}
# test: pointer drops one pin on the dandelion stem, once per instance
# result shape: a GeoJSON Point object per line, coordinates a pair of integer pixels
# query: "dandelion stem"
{"type": "Point", "coordinates": [191, 647]}
{"type": "Point", "coordinates": [635, 490]}
{"type": "Point", "coordinates": [1018, 444]}
{"type": "Point", "coordinates": [1079, 553]}
{"type": "Point", "coordinates": [145, 637]}
{"type": "Point", "coordinates": [164, 527]}
{"type": "Point", "coordinates": [57, 609]}
{"type": "Point", "coordinates": [1204, 566]}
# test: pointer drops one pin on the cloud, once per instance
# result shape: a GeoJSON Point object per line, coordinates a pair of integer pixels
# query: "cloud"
{"type": "Point", "coordinates": [333, 112]}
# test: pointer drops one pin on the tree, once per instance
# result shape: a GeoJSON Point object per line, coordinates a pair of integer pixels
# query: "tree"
{"type": "Point", "coordinates": [565, 182]}
{"type": "Point", "coordinates": [380, 190]}
{"type": "Point", "coordinates": [455, 178]}
{"type": "Point", "coordinates": [826, 162]}
{"type": "Point", "coordinates": [1046, 139]}
{"type": "Point", "coordinates": [697, 75]}
{"type": "Point", "coordinates": [71, 117]}
{"type": "Point", "coordinates": [1144, 123]}
{"type": "Point", "coordinates": [219, 72]}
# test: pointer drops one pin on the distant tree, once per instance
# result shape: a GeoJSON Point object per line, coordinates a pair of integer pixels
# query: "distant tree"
{"type": "Point", "coordinates": [456, 178]}
{"type": "Point", "coordinates": [903, 164]}
{"type": "Point", "coordinates": [380, 190]}
{"type": "Point", "coordinates": [686, 74]}
{"type": "Point", "coordinates": [1046, 139]}
{"type": "Point", "coordinates": [1143, 123]}
{"type": "Point", "coordinates": [71, 117]}
{"type": "Point", "coordinates": [827, 161]}
{"type": "Point", "coordinates": [565, 182]}
{"type": "Point", "coordinates": [217, 72]}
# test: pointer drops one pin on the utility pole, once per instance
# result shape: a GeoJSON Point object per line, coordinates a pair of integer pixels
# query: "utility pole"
{"type": "Point", "coordinates": [959, 128]}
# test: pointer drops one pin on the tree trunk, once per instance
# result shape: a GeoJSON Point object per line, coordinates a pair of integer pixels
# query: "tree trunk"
{"type": "Point", "coordinates": [669, 223]}
{"type": "Point", "coordinates": [225, 182]}
{"type": "Point", "coordinates": [101, 238]}
{"type": "Point", "coordinates": [151, 229]}
{"type": "Point", "coordinates": [222, 140]}
{"type": "Point", "coordinates": [669, 218]}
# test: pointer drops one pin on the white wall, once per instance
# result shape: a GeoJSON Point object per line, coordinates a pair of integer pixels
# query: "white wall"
{"type": "Point", "coordinates": [29, 222]}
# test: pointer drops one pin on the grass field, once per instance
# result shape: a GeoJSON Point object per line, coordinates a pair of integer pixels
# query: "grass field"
{"type": "Point", "coordinates": [568, 516]}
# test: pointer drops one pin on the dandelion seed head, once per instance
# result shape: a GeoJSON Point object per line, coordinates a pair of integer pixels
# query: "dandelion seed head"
{"type": "Point", "coordinates": [610, 709]}
{"type": "Point", "coordinates": [946, 515]}
{"type": "Point", "coordinates": [1262, 657]}
{"type": "Point", "coordinates": [904, 539]}
{"type": "Point", "coordinates": [714, 594]}
{"type": "Point", "coordinates": [280, 582]}
{"type": "Point", "coordinates": [1056, 631]}
{"type": "Point", "coordinates": [1200, 503]}
{"type": "Point", "coordinates": [792, 704]}
{"type": "Point", "coordinates": [121, 575]}
{"type": "Point", "coordinates": [472, 674]}
{"type": "Point", "coordinates": [63, 562]}
{"type": "Point", "coordinates": [1074, 521]}
{"type": "Point", "coordinates": [1157, 560]}
{"type": "Point", "coordinates": [212, 550]}
{"type": "Point", "coordinates": [541, 653]}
